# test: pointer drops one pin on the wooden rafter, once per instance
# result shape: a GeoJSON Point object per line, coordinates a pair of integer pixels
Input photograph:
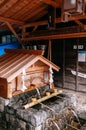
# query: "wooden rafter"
{"type": "Point", "coordinates": [20, 12]}
{"type": "Point", "coordinates": [23, 31]}
{"type": "Point", "coordinates": [13, 31]}
{"type": "Point", "coordinates": [15, 4]}
{"type": "Point", "coordinates": [39, 23]}
{"type": "Point", "coordinates": [41, 14]}
{"type": "Point", "coordinates": [84, 27]}
{"type": "Point", "coordinates": [6, 6]}
{"type": "Point", "coordinates": [3, 3]}
{"type": "Point", "coordinates": [56, 36]}
{"type": "Point", "coordinates": [3, 19]}
{"type": "Point", "coordinates": [27, 9]}
{"type": "Point", "coordinates": [58, 20]}
{"type": "Point", "coordinates": [34, 12]}
{"type": "Point", "coordinates": [53, 3]}
{"type": "Point", "coordinates": [80, 23]}
{"type": "Point", "coordinates": [34, 29]}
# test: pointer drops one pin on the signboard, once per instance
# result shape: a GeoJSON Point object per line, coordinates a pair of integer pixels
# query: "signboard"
{"type": "Point", "coordinates": [82, 56]}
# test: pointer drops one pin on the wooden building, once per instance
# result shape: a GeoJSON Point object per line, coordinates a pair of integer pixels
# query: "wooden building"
{"type": "Point", "coordinates": [58, 24]}
{"type": "Point", "coordinates": [49, 63]}
{"type": "Point", "coordinates": [22, 71]}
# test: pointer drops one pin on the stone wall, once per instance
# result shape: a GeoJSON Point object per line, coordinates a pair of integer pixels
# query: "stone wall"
{"type": "Point", "coordinates": [14, 117]}
{"type": "Point", "coordinates": [78, 100]}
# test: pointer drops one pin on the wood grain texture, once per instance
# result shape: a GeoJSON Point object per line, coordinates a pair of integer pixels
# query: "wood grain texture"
{"type": "Point", "coordinates": [12, 65]}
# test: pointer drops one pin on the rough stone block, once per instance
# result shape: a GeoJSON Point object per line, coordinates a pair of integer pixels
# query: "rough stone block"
{"type": "Point", "coordinates": [37, 118]}
{"type": "Point", "coordinates": [22, 124]}
{"type": "Point", "coordinates": [0, 117]}
{"type": "Point", "coordinates": [82, 115]}
{"type": "Point", "coordinates": [7, 117]}
{"type": "Point", "coordinates": [10, 110]}
{"type": "Point", "coordinates": [4, 101]}
{"type": "Point", "coordinates": [30, 127]}
{"type": "Point", "coordinates": [1, 108]}
{"type": "Point", "coordinates": [20, 114]}
{"type": "Point", "coordinates": [12, 119]}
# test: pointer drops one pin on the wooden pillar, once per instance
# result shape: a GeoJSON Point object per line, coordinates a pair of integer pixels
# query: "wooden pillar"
{"type": "Point", "coordinates": [63, 84]}
{"type": "Point", "coordinates": [51, 17]}
{"type": "Point", "coordinates": [23, 31]}
{"type": "Point", "coordinates": [9, 90]}
{"type": "Point", "coordinates": [50, 50]}
{"type": "Point", "coordinates": [76, 82]}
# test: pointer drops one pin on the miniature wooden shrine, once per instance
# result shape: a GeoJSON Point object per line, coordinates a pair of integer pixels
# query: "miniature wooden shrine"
{"type": "Point", "coordinates": [24, 70]}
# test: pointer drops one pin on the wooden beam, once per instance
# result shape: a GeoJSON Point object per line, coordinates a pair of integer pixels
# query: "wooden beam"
{"type": "Point", "coordinates": [3, 3]}
{"type": "Point", "coordinates": [13, 31]}
{"type": "Point", "coordinates": [9, 20]}
{"type": "Point", "coordinates": [23, 31]}
{"type": "Point", "coordinates": [57, 20]}
{"type": "Point", "coordinates": [34, 12]}
{"type": "Point", "coordinates": [41, 14]}
{"type": "Point", "coordinates": [24, 51]}
{"type": "Point", "coordinates": [56, 36]}
{"type": "Point", "coordinates": [84, 27]}
{"type": "Point", "coordinates": [34, 29]}
{"type": "Point", "coordinates": [80, 23]}
{"type": "Point", "coordinates": [50, 50]}
{"type": "Point", "coordinates": [52, 3]}
{"type": "Point", "coordinates": [39, 23]}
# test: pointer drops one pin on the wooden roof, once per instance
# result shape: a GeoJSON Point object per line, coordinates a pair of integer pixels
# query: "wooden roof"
{"type": "Point", "coordinates": [12, 63]}
{"type": "Point", "coordinates": [21, 11]}
{"type": "Point", "coordinates": [19, 14]}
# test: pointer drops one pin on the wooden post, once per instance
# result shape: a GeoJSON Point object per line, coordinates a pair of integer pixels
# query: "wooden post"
{"type": "Point", "coordinates": [16, 83]}
{"type": "Point", "coordinates": [9, 90]}
{"type": "Point", "coordinates": [50, 51]}
{"type": "Point", "coordinates": [76, 83]}
{"type": "Point", "coordinates": [63, 84]}
{"type": "Point", "coordinates": [23, 31]}
{"type": "Point", "coordinates": [51, 17]}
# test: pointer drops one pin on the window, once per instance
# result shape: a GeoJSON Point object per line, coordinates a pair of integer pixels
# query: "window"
{"type": "Point", "coordinates": [8, 38]}
{"type": "Point", "coordinates": [3, 39]}
{"type": "Point", "coordinates": [13, 38]}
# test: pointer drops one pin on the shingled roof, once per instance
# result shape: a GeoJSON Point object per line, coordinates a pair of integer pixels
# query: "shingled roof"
{"type": "Point", "coordinates": [12, 63]}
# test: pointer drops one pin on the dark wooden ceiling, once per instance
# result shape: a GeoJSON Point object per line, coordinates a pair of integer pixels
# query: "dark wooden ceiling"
{"type": "Point", "coordinates": [21, 14]}
{"type": "Point", "coordinates": [23, 11]}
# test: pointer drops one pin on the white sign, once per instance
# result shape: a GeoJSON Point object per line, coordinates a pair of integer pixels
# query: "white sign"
{"type": "Point", "coordinates": [82, 57]}
{"type": "Point", "coordinates": [78, 47]}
